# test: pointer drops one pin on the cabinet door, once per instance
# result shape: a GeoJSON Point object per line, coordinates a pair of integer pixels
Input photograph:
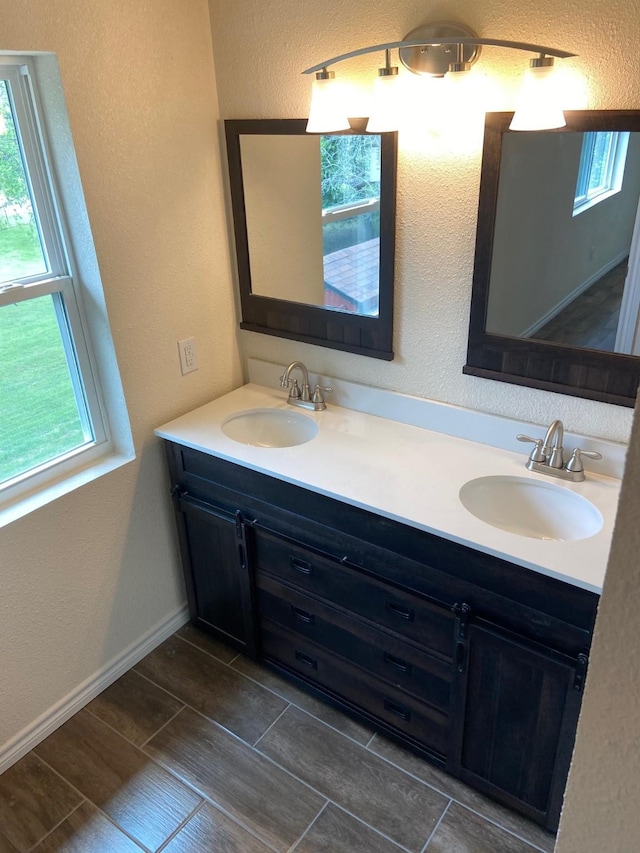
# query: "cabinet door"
{"type": "Point", "coordinates": [516, 708]}
{"type": "Point", "coordinates": [214, 557]}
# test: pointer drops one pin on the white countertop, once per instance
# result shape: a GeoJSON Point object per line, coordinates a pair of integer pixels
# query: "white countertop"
{"type": "Point", "coordinates": [406, 473]}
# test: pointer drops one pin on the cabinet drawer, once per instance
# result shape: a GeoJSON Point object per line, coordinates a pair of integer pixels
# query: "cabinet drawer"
{"type": "Point", "coordinates": [418, 619]}
{"type": "Point", "coordinates": [425, 725]}
{"type": "Point", "coordinates": [383, 654]}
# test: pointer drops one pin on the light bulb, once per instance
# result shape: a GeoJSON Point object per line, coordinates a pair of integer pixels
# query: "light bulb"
{"type": "Point", "coordinates": [326, 113]}
{"type": "Point", "coordinates": [539, 105]}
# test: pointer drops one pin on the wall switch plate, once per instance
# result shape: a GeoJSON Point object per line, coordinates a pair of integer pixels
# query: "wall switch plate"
{"type": "Point", "coordinates": [188, 355]}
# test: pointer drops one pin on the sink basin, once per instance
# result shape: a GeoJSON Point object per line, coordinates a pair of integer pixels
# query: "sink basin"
{"type": "Point", "coordinates": [531, 508]}
{"type": "Point", "coordinates": [270, 428]}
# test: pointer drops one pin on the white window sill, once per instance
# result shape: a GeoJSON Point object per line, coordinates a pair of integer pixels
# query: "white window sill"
{"type": "Point", "coordinates": [585, 205]}
{"type": "Point", "coordinates": [17, 507]}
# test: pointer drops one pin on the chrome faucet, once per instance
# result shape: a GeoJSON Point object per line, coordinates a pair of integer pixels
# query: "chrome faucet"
{"type": "Point", "coordinates": [554, 455]}
{"type": "Point", "coordinates": [547, 456]}
{"type": "Point", "coordinates": [302, 396]}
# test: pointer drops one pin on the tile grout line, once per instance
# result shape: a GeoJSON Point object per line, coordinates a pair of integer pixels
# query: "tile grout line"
{"type": "Point", "coordinates": [328, 725]}
{"type": "Point", "coordinates": [501, 826]}
{"type": "Point", "coordinates": [329, 800]}
{"type": "Point", "coordinates": [259, 684]}
{"type": "Point", "coordinates": [59, 823]}
{"type": "Point", "coordinates": [322, 722]}
{"type": "Point", "coordinates": [209, 801]}
{"type": "Point", "coordinates": [366, 746]}
{"type": "Point", "coordinates": [123, 736]}
{"type": "Point", "coordinates": [461, 803]}
{"type": "Point", "coordinates": [280, 767]}
{"type": "Point", "coordinates": [97, 807]}
{"type": "Point", "coordinates": [206, 652]}
{"type": "Point", "coordinates": [164, 725]}
{"type": "Point", "coordinates": [436, 827]}
{"type": "Point", "coordinates": [179, 828]}
{"type": "Point", "coordinates": [268, 729]}
{"type": "Point", "coordinates": [295, 843]}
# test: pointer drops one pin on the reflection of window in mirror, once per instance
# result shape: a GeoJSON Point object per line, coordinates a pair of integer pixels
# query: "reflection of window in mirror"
{"type": "Point", "coordinates": [601, 170]}
{"type": "Point", "coordinates": [350, 187]}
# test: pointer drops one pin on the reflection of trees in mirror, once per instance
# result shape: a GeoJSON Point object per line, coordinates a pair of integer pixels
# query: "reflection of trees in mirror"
{"type": "Point", "coordinates": [350, 168]}
{"type": "Point", "coordinates": [20, 250]}
{"type": "Point", "coordinates": [350, 187]}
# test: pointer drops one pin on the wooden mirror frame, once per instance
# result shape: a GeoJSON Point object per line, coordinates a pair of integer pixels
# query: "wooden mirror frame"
{"type": "Point", "coordinates": [593, 374]}
{"type": "Point", "coordinates": [371, 336]}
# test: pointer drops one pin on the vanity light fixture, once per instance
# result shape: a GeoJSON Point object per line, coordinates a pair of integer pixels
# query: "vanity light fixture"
{"type": "Point", "coordinates": [326, 112]}
{"type": "Point", "coordinates": [384, 112]}
{"type": "Point", "coordinates": [441, 50]}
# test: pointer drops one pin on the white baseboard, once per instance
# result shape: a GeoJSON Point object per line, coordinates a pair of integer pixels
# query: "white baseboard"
{"type": "Point", "coordinates": [70, 704]}
{"type": "Point", "coordinates": [553, 312]}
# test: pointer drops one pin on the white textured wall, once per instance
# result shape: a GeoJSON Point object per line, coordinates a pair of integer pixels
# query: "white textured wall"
{"type": "Point", "coordinates": [283, 206]}
{"type": "Point", "coordinates": [87, 575]}
{"type": "Point", "coordinates": [261, 50]}
{"type": "Point", "coordinates": [601, 804]}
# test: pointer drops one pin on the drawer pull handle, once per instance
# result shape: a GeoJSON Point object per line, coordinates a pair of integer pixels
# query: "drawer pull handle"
{"type": "Point", "coordinates": [301, 566]}
{"type": "Point", "coordinates": [306, 660]}
{"type": "Point", "coordinates": [400, 611]}
{"type": "Point", "coordinates": [302, 615]}
{"type": "Point", "coordinates": [398, 710]}
{"type": "Point", "coordinates": [398, 663]}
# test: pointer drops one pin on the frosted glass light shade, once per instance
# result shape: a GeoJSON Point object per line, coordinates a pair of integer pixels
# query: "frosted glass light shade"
{"type": "Point", "coordinates": [539, 105]}
{"type": "Point", "coordinates": [463, 101]}
{"type": "Point", "coordinates": [386, 105]}
{"type": "Point", "coordinates": [326, 113]}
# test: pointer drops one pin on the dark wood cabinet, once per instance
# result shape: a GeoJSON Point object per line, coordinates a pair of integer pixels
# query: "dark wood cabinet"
{"type": "Point", "coordinates": [516, 711]}
{"type": "Point", "coordinates": [474, 663]}
{"type": "Point", "coordinates": [217, 577]}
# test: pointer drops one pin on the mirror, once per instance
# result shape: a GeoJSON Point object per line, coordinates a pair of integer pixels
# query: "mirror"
{"type": "Point", "coordinates": [314, 224]}
{"type": "Point", "coordinates": [556, 287]}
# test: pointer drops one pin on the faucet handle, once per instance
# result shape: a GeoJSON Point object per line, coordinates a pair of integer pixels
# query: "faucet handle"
{"type": "Point", "coordinates": [575, 463]}
{"type": "Point", "coordinates": [318, 396]}
{"type": "Point", "coordinates": [294, 391]}
{"type": "Point", "coordinates": [536, 454]}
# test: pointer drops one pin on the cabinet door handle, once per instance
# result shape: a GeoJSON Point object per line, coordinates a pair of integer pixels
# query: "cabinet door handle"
{"type": "Point", "coordinates": [306, 660]}
{"type": "Point", "coordinates": [398, 663]}
{"type": "Point", "coordinates": [399, 610]}
{"type": "Point", "coordinates": [303, 615]}
{"type": "Point", "coordinates": [301, 566]}
{"type": "Point", "coordinates": [397, 710]}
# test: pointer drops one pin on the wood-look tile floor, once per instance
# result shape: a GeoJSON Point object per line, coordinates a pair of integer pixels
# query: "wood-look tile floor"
{"type": "Point", "coordinates": [591, 320]}
{"type": "Point", "coordinates": [198, 749]}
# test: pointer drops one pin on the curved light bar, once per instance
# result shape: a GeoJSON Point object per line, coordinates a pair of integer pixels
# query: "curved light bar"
{"type": "Point", "coordinates": [462, 40]}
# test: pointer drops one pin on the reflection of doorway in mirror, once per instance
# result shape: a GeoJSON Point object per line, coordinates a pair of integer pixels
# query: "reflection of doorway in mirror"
{"type": "Point", "coordinates": [558, 271]}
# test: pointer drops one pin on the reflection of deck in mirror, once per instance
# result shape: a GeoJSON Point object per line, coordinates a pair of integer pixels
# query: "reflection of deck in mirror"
{"type": "Point", "coordinates": [351, 278]}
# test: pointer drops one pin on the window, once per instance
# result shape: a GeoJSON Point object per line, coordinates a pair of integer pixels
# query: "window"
{"type": "Point", "coordinates": [601, 169]}
{"type": "Point", "coordinates": [51, 412]}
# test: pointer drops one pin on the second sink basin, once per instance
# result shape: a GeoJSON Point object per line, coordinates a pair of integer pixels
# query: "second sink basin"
{"type": "Point", "coordinates": [531, 508]}
{"type": "Point", "coordinates": [270, 428]}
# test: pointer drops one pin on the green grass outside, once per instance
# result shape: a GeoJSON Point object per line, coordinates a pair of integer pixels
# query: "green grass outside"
{"type": "Point", "coordinates": [20, 252]}
{"type": "Point", "coordinates": [38, 413]}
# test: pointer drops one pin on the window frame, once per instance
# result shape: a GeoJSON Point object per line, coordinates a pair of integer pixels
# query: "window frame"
{"type": "Point", "coordinates": [105, 450]}
{"type": "Point", "coordinates": [585, 197]}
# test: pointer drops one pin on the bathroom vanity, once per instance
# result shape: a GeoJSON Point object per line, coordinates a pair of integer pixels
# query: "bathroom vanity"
{"type": "Point", "coordinates": [474, 658]}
